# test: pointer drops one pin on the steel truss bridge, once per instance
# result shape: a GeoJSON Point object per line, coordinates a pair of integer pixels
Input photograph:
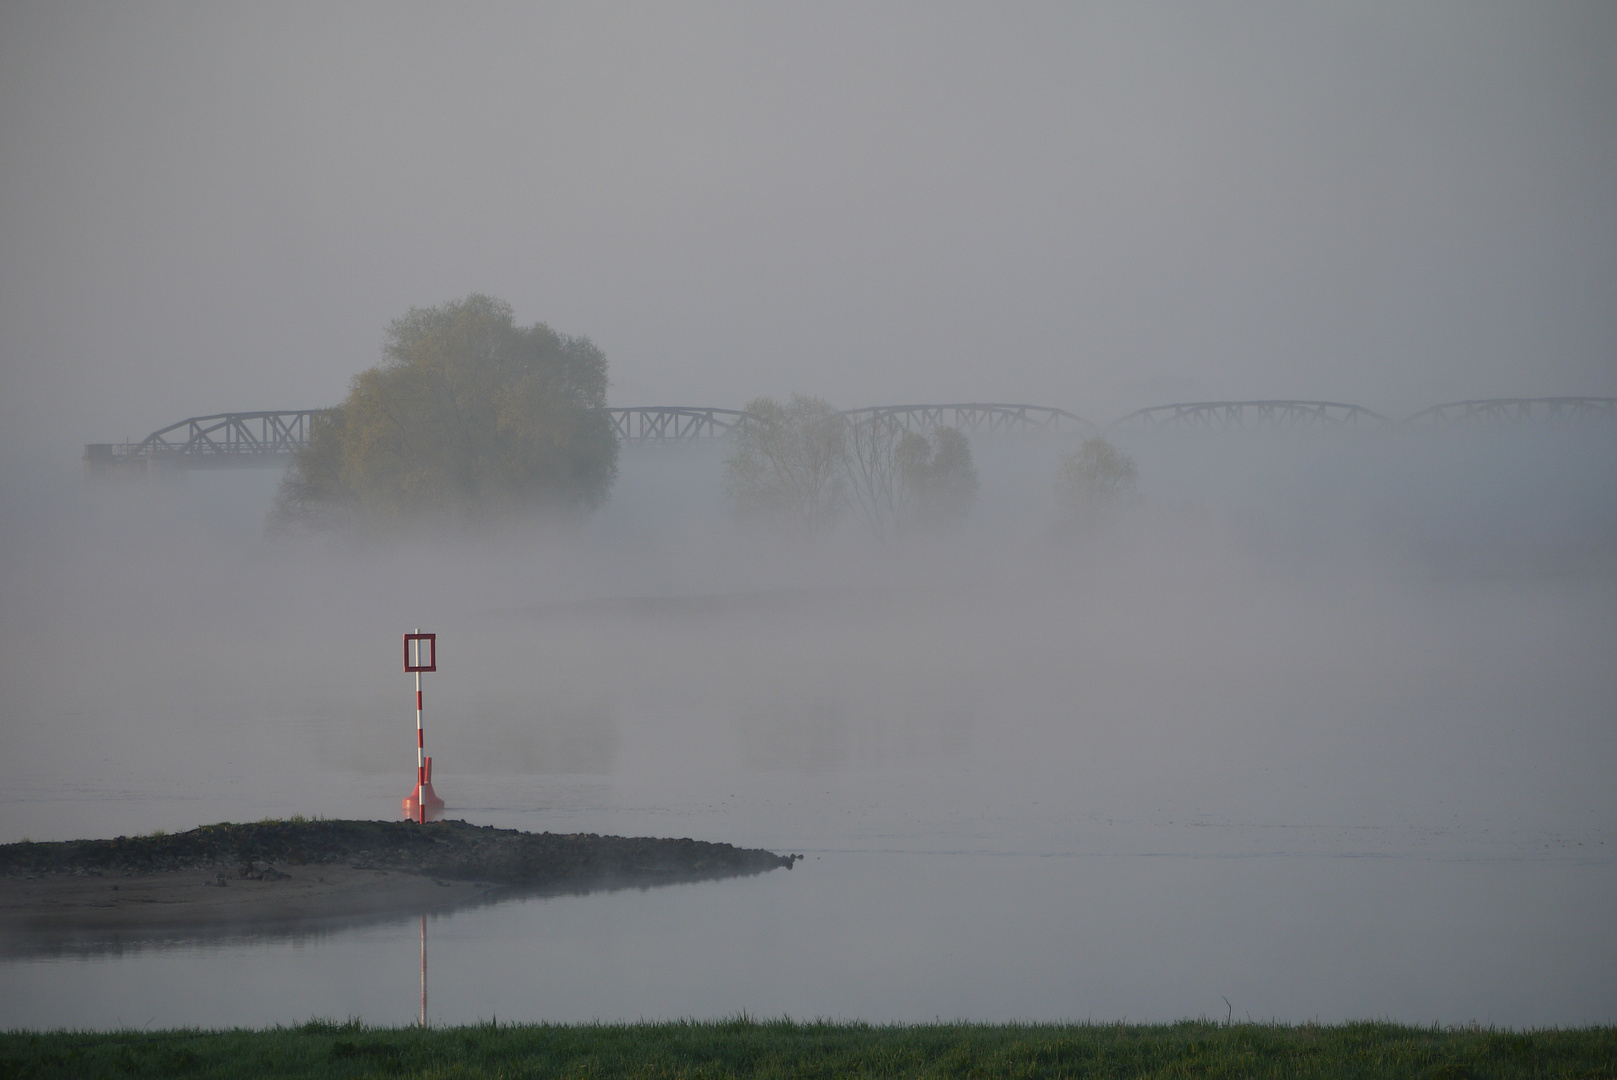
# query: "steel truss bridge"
{"type": "Point", "coordinates": [670, 423]}
{"type": "Point", "coordinates": [1322, 415]}
{"type": "Point", "coordinates": [1511, 412]}
{"type": "Point", "coordinates": [1251, 415]}
{"type": "Point", "coordinates": [665, 424]}
{"type": "Point", "coordinates": [975, 418]}
{"type": "Point", "coordinates": [224, 440]}
{"type": "Point", "coordinates": [230, 440]}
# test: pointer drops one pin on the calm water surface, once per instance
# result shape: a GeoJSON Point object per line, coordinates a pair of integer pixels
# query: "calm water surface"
{"type": "Point", "coordinates": [1210, 766]}
{"type": "Point", "coordinates": [887, 919]}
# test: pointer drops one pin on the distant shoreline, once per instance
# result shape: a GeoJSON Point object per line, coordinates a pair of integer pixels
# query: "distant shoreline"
{"type": "Point", "coordinates": [286, 874]}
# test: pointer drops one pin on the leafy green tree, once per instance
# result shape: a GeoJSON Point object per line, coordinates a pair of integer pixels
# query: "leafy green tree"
{"type": "Point", "coordinates": [1096, 475]}
{"type": "Point", "coordinates": [468, 415]}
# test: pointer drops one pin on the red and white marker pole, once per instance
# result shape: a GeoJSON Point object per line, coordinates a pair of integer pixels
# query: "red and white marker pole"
{"type": "Point", "coordinates": [420, 750]}
{"type": "Point", "coordinates": [421, 754]}
{"type": "Point", "coordinates": [421, 654]}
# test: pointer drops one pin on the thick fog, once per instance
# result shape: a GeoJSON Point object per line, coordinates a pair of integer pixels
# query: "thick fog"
{"type": "Point", "coordinates": [1364, 640]}
{"type": "Point", "coordinates": [211, 208]}
{"type": "Point", "coordinates": [1348, 643]}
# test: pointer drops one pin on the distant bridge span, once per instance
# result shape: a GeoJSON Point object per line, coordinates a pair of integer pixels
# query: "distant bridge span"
{"type": "Point", "coordinates": [1500, 412]}
{"type": "Point", "coordinates": [673, 423]}
{"type": "Point", "coordinates": [977, 418]}
{"type": "Point", "coordinates": [245, 439]}
{"type": "Point", "coordinates": [1251, 416]}
{"type": "Point", "coordinates": [1315, 415]}
{"type": "Point", "coordinates": [223, 440]}
{"type": "Point", "coordinates": [664, 424]}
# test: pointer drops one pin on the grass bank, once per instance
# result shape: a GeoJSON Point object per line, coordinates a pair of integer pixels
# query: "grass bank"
{"type": "Point", "coordinates": [786, 1049]}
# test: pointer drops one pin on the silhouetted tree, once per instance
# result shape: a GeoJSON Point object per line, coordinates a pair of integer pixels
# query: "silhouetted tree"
{"type": "Point", "coordinates": [937, 478]}
{"type": "Point", "coordinates": [804, 464]}
{"type": "Point", "coordinates": [469, 414]}
{"type": "Point", "coordinates": [789, 462]}
{"type": "Point", "coordinates": [1098, 474]}
{"type": "Point", "coordinates": [873, 472]}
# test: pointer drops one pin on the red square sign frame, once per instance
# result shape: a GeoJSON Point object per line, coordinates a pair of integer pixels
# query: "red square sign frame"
{"type": "Point", "coordinates": [431, 649]}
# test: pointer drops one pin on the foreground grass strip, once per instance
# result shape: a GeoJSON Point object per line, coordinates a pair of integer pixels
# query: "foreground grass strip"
{"type": "Point", "coordinates": [746, 1047]}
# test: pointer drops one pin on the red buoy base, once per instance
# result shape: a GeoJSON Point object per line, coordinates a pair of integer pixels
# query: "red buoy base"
{"type": "Point", "coordinates": [423, 793]}
{"type": "Point", "coordinates": [413, 801]}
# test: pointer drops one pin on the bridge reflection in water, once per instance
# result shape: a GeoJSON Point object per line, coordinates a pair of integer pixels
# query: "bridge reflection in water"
{"type": "Point", "coordinates": [247, 439]}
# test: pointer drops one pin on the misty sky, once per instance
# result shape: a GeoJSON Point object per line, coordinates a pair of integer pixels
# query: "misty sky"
{"type": "Point", "coordinates": [209, 207]}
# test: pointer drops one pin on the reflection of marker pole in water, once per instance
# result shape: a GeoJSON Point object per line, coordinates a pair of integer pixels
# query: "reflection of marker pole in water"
{"type": "Point", "coordinates": [421, 654]}
{"type": "Point", "coordinates": [423, 971]}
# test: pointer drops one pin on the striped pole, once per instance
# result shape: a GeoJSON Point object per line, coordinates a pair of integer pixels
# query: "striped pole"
{"type": "Point", "coordinates": [421, 654]}
{"type": "Point", "coordinates": [420, 787]}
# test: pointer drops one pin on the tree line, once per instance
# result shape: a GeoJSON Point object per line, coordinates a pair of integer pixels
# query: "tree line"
{"type": "Point", "coordinates": [470, 416]}
{"type": "Point", "coordinates": [802, 464]}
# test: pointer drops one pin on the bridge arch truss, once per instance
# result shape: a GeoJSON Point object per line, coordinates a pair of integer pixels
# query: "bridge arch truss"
{"type": "Point", "coordinates": [666, 423]}
{"type": "Point", "coordinates": [976, 418]}
{"type": "Point", "coordinates": [1515, 412]}
{"type": "Point", "coordinates": [220, 440]}
{"type": "Point", "coordinates": [273, 438]}
{"type": "Point", "coordinates": [1251, 416]}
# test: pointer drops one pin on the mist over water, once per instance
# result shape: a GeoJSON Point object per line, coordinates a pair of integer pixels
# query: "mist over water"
{"type": "Point", "coordinates": [1327, 679]}
{"type": "Point", "coordinates": [1358, 631]}
{"type": "Point", "coordinates": [1321, 724]}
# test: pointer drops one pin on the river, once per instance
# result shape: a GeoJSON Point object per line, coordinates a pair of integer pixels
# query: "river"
{"type": "Point", "coordinates": [1203, 763]}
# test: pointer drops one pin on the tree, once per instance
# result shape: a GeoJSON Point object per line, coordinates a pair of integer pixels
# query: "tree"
{"type": "Point", "coordinates": [469, 414]}
{"type": "Point", "coordinates": [936, 476]}
{"type": "Point", "coordinates": [802, 463]}
{"type": "Point", "coordinates": [1098, 474]}
{"type": "Point", "coordinates": [873, 472]}
{"type": "Point", "coordinates": [789, 462]}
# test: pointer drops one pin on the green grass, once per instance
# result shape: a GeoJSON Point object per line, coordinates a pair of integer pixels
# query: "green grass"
{"type": "Point", "coordinates": [745, 1047]}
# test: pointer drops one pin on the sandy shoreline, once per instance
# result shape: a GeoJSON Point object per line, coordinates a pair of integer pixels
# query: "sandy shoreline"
{"type": "Point", "coordinates": [277, 877]}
